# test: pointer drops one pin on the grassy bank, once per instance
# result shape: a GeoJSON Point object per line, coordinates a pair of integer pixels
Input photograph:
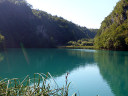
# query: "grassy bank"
{"type": "Point", "coordinates": [37, 86]}
{"type": "Point", "coordinates": [77, 47]}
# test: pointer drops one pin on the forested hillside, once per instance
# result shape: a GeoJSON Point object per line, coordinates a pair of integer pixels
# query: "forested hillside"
{"type": "Point", "coordinates": [20, 25]}
{"type": "Point", "coordinates": [113, 33]}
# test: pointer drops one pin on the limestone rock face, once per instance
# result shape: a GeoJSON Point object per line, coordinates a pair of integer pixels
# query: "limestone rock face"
{"type": "Point", "coordinates": [113, 32]}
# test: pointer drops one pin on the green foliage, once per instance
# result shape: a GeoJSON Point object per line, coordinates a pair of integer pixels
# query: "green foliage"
{"type": "Point", "coordinates": [81, 42]}
{"type": "Point", "coordinates": [1, 38]}
{"type": "Point", "coordinates": [114, 29]}
{"type": "Point", "coordinates": [126, 40]}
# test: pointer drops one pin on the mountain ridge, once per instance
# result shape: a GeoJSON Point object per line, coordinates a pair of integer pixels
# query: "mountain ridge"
{"type": "Point", "coordinates": [22, 25]}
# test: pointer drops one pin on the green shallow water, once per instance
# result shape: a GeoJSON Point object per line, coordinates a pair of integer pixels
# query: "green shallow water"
{"type": "Point", "coordinates": [91, 72]}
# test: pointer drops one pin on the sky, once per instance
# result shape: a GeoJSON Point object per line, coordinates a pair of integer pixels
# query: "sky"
{"type": "Point", "coordinates": [88, 13]}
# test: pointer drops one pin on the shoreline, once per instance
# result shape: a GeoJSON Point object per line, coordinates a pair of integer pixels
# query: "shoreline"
{"type": "Point", "coordinates": [76, 47]}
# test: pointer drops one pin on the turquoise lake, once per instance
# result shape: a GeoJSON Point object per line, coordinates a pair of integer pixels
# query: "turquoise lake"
{"type": "Point", "coordinates": [91, 72]}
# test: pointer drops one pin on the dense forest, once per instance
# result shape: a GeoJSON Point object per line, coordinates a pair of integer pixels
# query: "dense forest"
{"type": "Point", "coordinates": [21, 25]}
{"type": "Point", "coordinates": [113, 33]}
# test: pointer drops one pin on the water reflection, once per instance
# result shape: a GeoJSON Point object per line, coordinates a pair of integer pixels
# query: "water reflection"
{"type": "Point", "coordinates": [55, 61]}
{"type": "Point", "coordinates": [86, 67]}
{"type": "Point", "coordinates": [113, 67]}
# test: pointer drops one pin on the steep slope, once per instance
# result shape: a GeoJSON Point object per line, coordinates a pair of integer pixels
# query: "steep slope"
{"type": "Point", "coordinates": [113, 33]}
{"type": "Point", "coordinates": [22, 25]}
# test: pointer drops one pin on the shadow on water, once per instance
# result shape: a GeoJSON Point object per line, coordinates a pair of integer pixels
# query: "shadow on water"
{"type": "Point", "coordinates": [113, 67]}
{"type": "Point", "coordinates": [19, 63]}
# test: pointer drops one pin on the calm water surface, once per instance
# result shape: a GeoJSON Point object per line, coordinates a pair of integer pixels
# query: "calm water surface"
{"type": "Point", "coordinates": [91, 72]}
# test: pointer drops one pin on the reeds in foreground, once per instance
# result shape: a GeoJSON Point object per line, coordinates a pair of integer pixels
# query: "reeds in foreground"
{"type": "Point", "coordinates": [37, 86]}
